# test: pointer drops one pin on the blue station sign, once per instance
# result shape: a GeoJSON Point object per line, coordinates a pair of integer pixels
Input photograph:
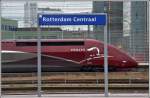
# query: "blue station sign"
{"type": "Point", "coordinates": [72, 19]}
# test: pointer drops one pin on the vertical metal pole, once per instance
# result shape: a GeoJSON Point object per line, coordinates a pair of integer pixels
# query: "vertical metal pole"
{"type": "Point", "coordinates": [88, 34]}
{"type": "Point", "coordinates": [0, 52]}
{"type": "Point", "coordinates": [105, 60]}
{"type": "Point", "coordinates": [148, 27]}
{"type": "Point", "coordinates": [108, 13]}
{"type": "Point", "coordinates": [39, 58]}
{"type": "Point", "coordinates": [62, 34]}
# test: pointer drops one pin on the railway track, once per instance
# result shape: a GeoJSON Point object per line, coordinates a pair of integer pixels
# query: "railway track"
{"type": "Point", "coordinates": [74, 82]}
{"type": "Point", "coordinates": [75, 78]}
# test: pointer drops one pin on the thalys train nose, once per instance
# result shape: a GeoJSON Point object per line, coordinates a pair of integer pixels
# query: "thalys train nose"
{"type": "Point", "coordinates": [129, 62]}
{"type": "Point", "coordinates": [133, 62]}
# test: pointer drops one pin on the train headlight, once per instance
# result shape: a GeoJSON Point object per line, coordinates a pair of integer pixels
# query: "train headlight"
{"type": "Point", "coordinates": [124, 61]}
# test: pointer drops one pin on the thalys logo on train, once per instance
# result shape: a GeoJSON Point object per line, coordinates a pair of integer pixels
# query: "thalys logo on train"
{"type": "Point", "coordinates": [94, 48]}
{"type": "Point", "coordinates": [89, 50]}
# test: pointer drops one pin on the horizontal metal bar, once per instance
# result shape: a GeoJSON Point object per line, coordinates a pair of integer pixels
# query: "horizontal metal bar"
{"type": "Point", "coordinates": [63, 0]}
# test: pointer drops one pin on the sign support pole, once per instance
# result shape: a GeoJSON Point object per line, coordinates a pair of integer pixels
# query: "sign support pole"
{"type": "Point", "coordinates": [105, 59]}
{"type": "Point", "coordinates": [39, 58]}
{"type": "Point", "coordinates": [0, 53]}
{"type": "Point", "coordinates": [148, 30]}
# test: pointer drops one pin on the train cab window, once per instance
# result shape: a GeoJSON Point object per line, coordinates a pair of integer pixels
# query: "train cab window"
{"type": "Point", "coordinates": [67, 43]}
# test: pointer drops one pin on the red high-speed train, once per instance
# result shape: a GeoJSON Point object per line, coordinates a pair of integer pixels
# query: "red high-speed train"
{"type": "Point", "coordinates": [62, 55]}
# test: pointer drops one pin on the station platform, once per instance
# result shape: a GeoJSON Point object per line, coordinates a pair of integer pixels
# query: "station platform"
{"type": "Point", "coordinates": [79, 96]}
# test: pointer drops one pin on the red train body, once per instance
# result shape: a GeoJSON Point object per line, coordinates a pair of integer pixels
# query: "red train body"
{"type": "Point", "coordinates": [62, 55]}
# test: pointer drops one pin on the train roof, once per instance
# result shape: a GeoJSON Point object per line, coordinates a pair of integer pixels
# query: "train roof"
{"type": "Point", "coordinates": [33, 40]}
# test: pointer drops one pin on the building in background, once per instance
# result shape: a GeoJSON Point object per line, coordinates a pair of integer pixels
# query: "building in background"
{"type": "Point", "coordinates": [127, 26]}
{"type": "Point", "coordinates": [49, 10]}
{"type": "Point", "coordinates": [8, 28]}
{"type": "Point", "coordinates": [10, 31]}
{"type": "Point", "coordinates": [115, 18]}
{"type": "Point", "coordinates": [30, 14]}
{"type": "Point", "coordinates": [31, 11]}
{"type": "Point", "coordinates": [139, 30]}
{"type": "Point", "coordinates": [126, 18]}
{"type": "Point", "coordinates": [135, 34]}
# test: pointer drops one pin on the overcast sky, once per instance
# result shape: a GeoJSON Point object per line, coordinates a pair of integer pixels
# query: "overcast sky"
{"type": "Point", "coordinates": [15, 10]}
